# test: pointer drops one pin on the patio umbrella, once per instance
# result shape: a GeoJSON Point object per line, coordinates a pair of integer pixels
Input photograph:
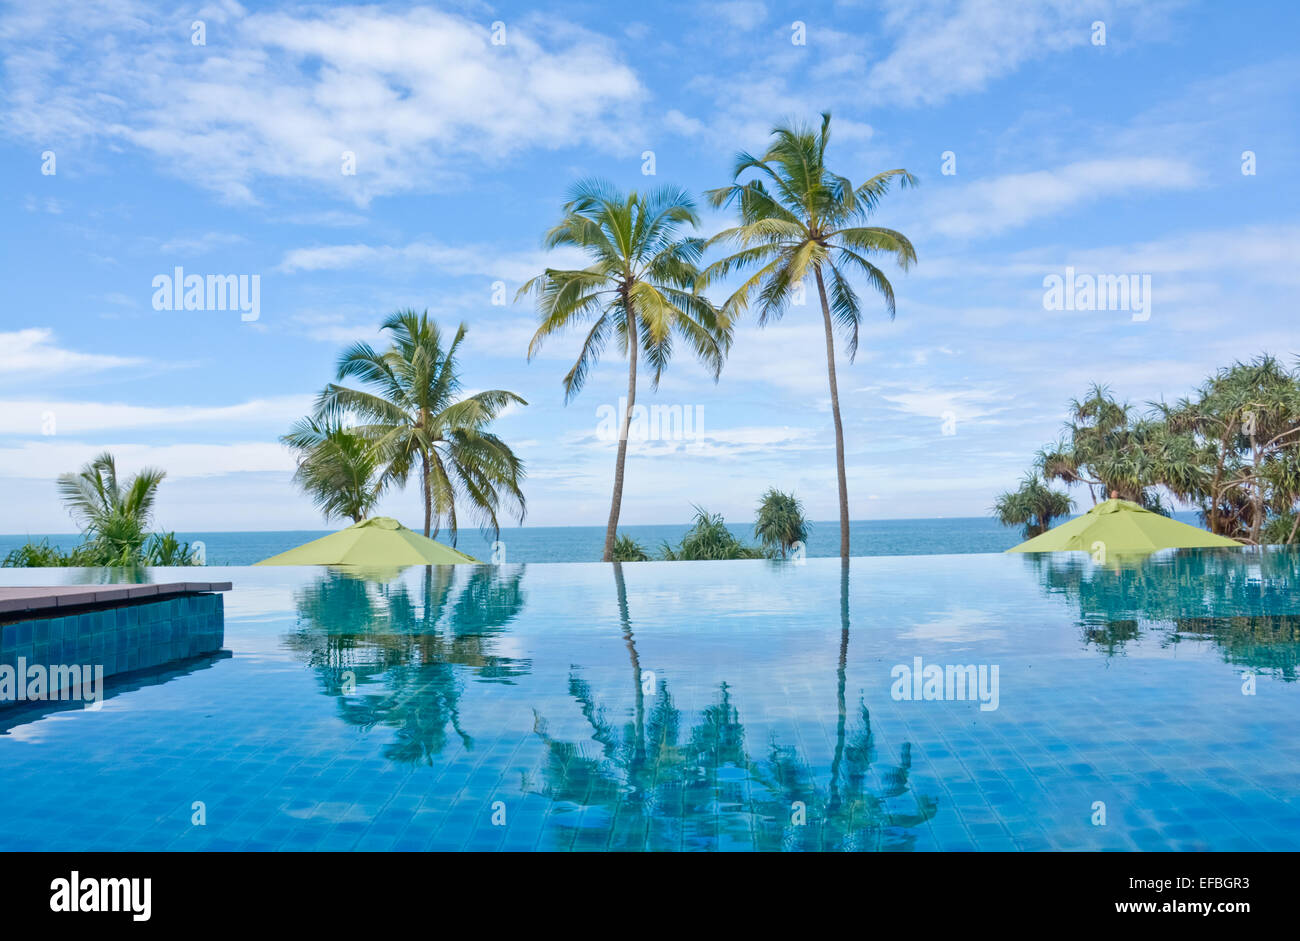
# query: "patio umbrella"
{"type": "Point", "coordinates": [1122, 527]}
{"type": "Point", "coordinates": [378, 542]}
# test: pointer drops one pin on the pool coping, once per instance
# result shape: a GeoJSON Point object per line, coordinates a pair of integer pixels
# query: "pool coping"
{"type": "Point", "coordinates": [47, 600]}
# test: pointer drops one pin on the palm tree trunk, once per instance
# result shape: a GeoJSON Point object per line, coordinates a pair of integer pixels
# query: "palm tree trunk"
{"type": "Point", "coordinates": [1257, 498]}
{"type": "Point", "coordinates": [835, 411]}
{"type": "Point", "coordinates": [428, 495]}
{"type": "Point", "coordinates": [617, 502]}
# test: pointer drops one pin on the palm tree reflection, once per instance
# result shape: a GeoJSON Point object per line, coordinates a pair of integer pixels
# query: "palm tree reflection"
{"type": "Point", "coordinates": [1242, 601]}
{"type": "Point", "coordinates": [397, 655]}
{"type": "Point", "coordinates": [652, 788]}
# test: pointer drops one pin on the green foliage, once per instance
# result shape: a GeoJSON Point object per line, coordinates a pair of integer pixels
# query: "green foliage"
{"type": "Point", "coordinates": [710, 539]}
{"type": "Point", "coordinates": [413, 414]}
{"type": "Point", "coordinates": [165, 549]}
{"type": "Point", "coordinates": [639, 285]}
{"type": "Point", "coordinates": [341, 469]}
{"type": "Point", "coordinates": [1232, 449]}
{"type": "Point", "coordinates": [1034, 506]}
{"type": "Point", "coordinates": [799, 220]}
{"type": "Point", "coordinates": [36, 555]}
{"type": "Point", "coordinates": [114, 516]}
{"type": "Point", "coordinates": [780, 522]}
{"type": "Point", "coordinates": [627, 549]}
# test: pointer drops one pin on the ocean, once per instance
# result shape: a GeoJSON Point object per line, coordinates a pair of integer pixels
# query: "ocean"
{"type": "Point", "coordinates": [584, 543]}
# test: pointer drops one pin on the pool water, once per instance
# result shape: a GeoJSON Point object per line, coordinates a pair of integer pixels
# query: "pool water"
{"type": "Point", "coordinates": [696, 706]}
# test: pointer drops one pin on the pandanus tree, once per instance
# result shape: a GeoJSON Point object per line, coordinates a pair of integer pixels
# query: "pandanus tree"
{"type": "Point", "coordinates": [780, 523]}
{"type": "Point", "coordinates": [800, 220]}
{"type": "Point", "coordinates": [413, 411]}
{"type": "Point", "coordinates": [1245, 423]}
{"type": "Point", "coordinates": [638, 291]}
{"type": "Point", "coordinates": [1111, 449]}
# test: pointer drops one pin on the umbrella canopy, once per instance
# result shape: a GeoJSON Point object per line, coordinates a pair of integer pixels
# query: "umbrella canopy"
{"type": "Point", "coordinates": [378, 542]}
{"type": "Point", "coordinates": [1122, 526]}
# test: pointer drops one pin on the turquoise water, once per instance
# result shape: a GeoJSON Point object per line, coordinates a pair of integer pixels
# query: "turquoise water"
{"type": "Point", "coordinates": [696, 706]}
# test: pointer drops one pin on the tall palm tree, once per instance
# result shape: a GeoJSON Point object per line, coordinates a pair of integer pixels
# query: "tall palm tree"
{"type": "Point", "coordinates": [416, 417]}
{"type": "Point", "coordinates": [797, 218]}
{"type": "Point", "coordinates": [639, 288]}
{"type": "Point", "coordinates": [115, 515]}
{"type": "Point", "coordinates": [341, 469]}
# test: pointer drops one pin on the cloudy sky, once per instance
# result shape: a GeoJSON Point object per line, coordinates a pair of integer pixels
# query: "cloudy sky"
{"type": "Point", "coordinates": [134, 140]}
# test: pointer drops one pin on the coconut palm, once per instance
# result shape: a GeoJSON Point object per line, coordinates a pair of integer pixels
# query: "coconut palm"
{"type": "Point", "coordinates": [780, 523]}
{"type": "Point", "coordinates": [114, 515]}
{"type": "Point", "coordinates": [1034, 505]}
{"type": "Point", "coordinates": [416, 417]}
{"type": "Point", "coordinates": [638, 290]}
{"type": "Point", "coordinates": [799, 219]}
{"type": "Point", "coordinates": [340, 469]}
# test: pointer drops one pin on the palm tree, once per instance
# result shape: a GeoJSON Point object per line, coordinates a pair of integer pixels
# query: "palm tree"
{"type": "Point", "coordinates": [415, 416]}
{"type": "Point", "coordinates": [1033, 506]}
{"type": "Point", "coordinates": [114, 515]}
{"type": "Point", "coordinates": [798, 218]}
{"type": "Point", "coordinates": [639, 288]}
{"type": "Point", "coordinates": [780, 523]}
{"type": "Point", "coordinates": [339, 468]}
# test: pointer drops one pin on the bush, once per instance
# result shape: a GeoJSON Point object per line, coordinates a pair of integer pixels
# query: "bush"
{"type": "Point", "coordinates": [709, 539]}
{"type": "Point", "coordinates": [627, 549]}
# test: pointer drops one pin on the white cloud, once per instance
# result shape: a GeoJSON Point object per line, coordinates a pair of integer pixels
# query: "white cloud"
{"type": "Point", "coordinates": [27, 416]}
{"type": "Point", "coordinates": [45, 460]}
{"type": "Point", "coordinates": [742, 14]}
{"type": "Point", "coordinates": [987, 207]}
{"type": "Point", "coordinates": [418, 96]}
{"type": "Point", "coordinates": [192, 245]}
{"type": "Point", "coordinates": [943, 48]}
{"type": "Point", "coordinates": [456, 260]}
{"type": "Point", "coordinates": [33, 351]}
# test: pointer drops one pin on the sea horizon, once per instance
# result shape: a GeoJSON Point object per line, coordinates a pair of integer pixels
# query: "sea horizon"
{"type": "Point", "coordinates": [956, 535]}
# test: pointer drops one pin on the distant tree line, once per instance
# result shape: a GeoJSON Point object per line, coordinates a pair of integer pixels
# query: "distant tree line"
{"type": "Point", "coordinates": [1231, 449]}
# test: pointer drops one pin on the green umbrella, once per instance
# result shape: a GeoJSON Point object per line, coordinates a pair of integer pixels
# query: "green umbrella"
{"type": "Point", "coordinates": [377, 542]}
{"type": "Point", "coordinates": [1120, 527]}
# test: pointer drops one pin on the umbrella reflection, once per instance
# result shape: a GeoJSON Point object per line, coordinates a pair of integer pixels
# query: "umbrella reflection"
{"type": "Point", "coordinates": [396, 653]}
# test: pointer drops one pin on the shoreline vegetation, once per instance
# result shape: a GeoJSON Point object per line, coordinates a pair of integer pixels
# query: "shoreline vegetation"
{"type": "Point", "coordinates": [1231, 449]}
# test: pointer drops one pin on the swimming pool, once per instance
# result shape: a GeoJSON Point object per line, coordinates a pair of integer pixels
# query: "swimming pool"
{"type": "Point", "coordinates": [696, 706]}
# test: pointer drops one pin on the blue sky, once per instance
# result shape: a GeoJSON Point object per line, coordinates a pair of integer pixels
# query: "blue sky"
{"type": "Point", "coordinates": [225, 158]}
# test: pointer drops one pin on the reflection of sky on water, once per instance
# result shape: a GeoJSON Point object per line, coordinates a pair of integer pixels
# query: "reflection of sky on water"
{"type": "Point", "coordinates": [680, 705]}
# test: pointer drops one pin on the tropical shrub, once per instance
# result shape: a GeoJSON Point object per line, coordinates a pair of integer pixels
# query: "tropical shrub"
{"type": "Point", "coordinates": [627, 549]}
{"type": "Point", "coordinates": [710, 539]}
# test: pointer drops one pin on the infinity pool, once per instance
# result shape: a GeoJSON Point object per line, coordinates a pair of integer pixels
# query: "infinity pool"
{"type": "Point", "coordinates": [696, 706]}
